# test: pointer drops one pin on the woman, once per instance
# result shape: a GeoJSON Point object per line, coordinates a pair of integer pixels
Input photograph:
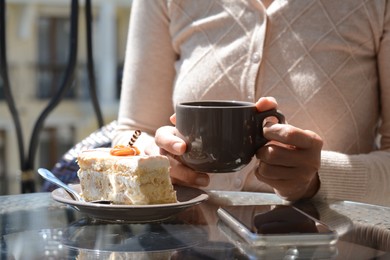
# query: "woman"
{"type": "Point", "coordinates": [322, 63]}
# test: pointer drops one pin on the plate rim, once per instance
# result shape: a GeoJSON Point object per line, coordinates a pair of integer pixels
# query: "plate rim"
{"type": "Point", "coordinates": [196, 200]}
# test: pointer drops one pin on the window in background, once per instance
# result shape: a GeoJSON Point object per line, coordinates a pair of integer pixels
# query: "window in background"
{"type": "Point", "coordinates": [53, 52]}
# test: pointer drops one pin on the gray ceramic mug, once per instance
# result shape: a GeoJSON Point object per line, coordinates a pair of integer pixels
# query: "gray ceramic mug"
{"type": "Point", "coordinates": [221, 136]}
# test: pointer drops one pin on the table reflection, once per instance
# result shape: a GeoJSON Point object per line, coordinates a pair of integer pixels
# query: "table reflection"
{"type": "Point", "coordinates": [34, 226]}
{"type": "Point", "coordinates": [165, 236]}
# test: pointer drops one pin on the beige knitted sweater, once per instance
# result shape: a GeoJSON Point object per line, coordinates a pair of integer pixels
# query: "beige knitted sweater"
{"type": "Point", "coordinates": [326, 62]}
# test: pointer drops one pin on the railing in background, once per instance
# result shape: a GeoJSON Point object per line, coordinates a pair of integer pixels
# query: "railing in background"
{"type": "Point", "coordinates": [27, 162]}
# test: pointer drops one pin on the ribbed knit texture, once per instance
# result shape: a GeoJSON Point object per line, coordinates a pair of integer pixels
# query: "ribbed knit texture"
{"type": "Point", "coordinates": [350, 170]}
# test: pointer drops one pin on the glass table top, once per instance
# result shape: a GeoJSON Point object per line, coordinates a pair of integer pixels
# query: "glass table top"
{"type": "Point", "coordinates": [34, 226]}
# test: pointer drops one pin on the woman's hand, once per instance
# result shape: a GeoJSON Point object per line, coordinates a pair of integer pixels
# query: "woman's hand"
{"type": "Point", "coordinates": [290, 161]}
{"type": "Point", "coordinates": [173, 146]}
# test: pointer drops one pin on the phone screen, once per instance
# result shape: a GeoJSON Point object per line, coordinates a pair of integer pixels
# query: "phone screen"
{"type": "Point", "coordinates": [276, 219]}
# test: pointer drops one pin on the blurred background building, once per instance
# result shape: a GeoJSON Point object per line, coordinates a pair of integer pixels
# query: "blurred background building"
{"type": "Point", "coordinates": [37, 40]}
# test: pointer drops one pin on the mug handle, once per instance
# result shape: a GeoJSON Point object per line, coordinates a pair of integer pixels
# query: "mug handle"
{"type": "Point", "coordinates": [260, 116]}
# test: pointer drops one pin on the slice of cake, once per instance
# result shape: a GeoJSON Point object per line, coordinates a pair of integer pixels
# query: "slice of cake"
{"type": "Point", "coordinates": [132, 180]}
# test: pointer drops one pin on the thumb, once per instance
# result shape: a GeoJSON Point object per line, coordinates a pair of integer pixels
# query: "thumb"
{"type": "Point", "coordinates": [173, 119]}
{"type": "Point", "coordinates": [266, 103]}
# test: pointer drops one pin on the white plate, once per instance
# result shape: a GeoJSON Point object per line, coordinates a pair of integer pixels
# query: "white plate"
{"type": "Point", "coordinates": [186, 196]}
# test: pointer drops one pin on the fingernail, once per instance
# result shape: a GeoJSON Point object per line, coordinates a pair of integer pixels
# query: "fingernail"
{"type": "Point", "coordinates": [202, 180]}
{"type": "Point", "coordinates": [178, 147]}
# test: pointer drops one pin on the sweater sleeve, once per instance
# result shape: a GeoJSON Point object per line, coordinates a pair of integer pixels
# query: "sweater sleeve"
{"type": "Point", "coordinates": [364, 177]}
{"type": "Point", "coordinates": [146, 95]}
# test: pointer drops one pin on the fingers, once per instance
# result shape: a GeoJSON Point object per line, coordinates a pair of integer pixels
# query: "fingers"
{"type": "Point", "coordinates": [275, 172]}
{"type": "Point", "coordinates": [266, 103]}
{"type": "Point", "coordinates": [152, 149]}
{"type": "Point", "coordinates": [287, 187]}
{"type": "Point", "coordinates": [166, 139]}
{"type": "Point", "coordinates": [289, 183]}
{"type": "Point", "coordinates": [291, 147]}
{"type": "Point", "coordinates": [183, 175]}
{"type": "Point", "coordinates": [173, 119]}
{"type": "Point", "coordinates": [172, 146]}
{"type": "Point", "coordinates": [293, 136]}
{"type": "Point", "coordinates": [288, 156]}
{"type": "Point", "coordinates": [290, 162]}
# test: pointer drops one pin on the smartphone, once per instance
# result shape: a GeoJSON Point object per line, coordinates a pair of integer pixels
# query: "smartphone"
{"type": "Point", "coordinates": [277, 252]}
{"type": "Point", "coordinates": [276, 225]}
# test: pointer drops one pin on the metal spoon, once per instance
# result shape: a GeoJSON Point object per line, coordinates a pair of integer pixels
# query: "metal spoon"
{"type": "Point", "coordinates": [48, 175]}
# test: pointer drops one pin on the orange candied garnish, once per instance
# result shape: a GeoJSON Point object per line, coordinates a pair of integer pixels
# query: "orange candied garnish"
{"type": "Point", "coordinates": [122, 150]}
